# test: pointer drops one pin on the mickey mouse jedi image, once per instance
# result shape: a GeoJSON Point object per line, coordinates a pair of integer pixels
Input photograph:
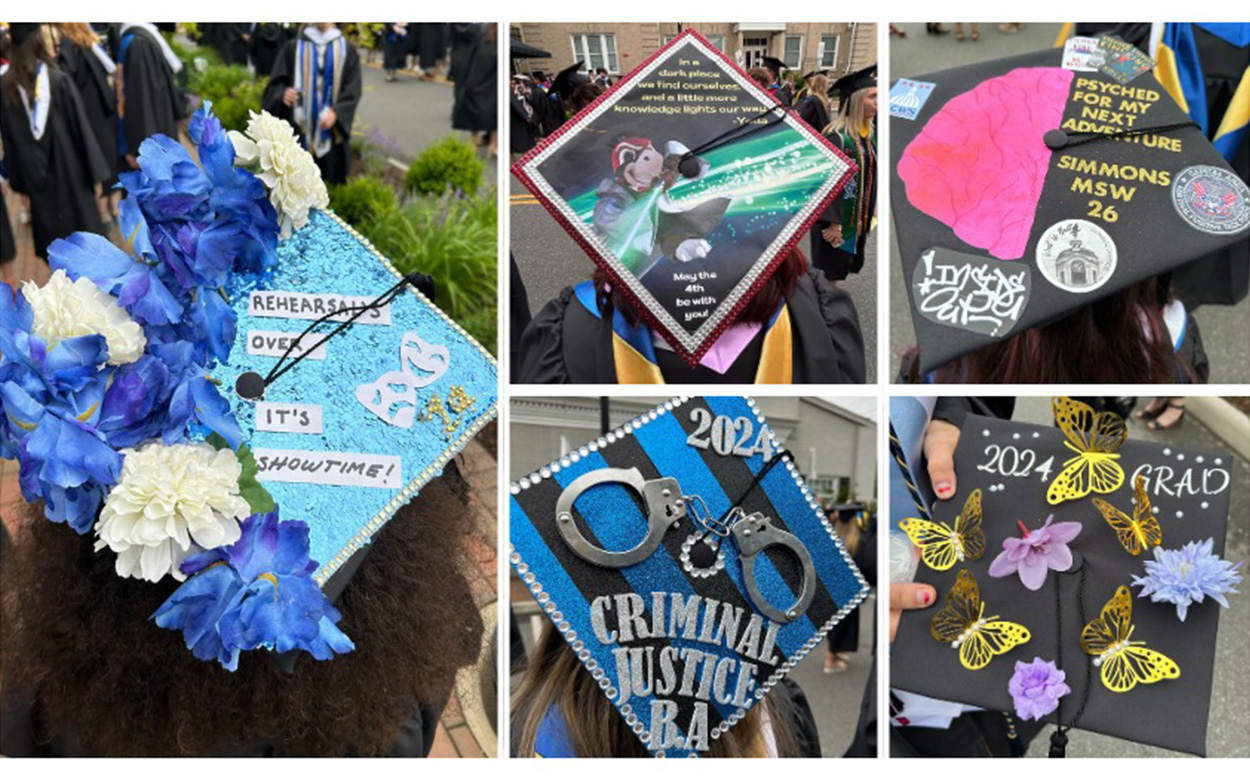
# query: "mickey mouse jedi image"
{"type": "Point", "coordinates": [661, 228]}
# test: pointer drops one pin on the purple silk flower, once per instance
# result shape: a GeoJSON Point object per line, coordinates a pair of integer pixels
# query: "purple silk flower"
{"type": "Point", "coordinates": [1036, 552]}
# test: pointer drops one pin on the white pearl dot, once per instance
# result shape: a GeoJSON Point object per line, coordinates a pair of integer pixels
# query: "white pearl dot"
{"type": "Point", "coordinates": [1205, 505]}
{"type": "Point", "coordinates": [1180, 514]}
{"type": "Point", "coordinates": [1167, 451]}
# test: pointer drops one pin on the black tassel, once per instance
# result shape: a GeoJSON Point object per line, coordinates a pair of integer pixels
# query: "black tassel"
{"type": "Point", "coordinates": [1058, 744]}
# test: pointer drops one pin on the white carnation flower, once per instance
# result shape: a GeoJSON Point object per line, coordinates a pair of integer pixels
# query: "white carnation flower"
{"type": "Point", "coordinates": [286, 168]}
{"type": "Point", "coordinates": [64, 309]}
{"type": "Point", "coordinates": [169, 498]}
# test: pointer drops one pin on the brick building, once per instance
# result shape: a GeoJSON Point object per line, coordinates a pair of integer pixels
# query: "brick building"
{"type": "Point", "coordinates": [840, 47]}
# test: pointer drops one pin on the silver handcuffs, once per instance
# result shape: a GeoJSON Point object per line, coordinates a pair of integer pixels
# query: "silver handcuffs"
{"type": "Point", "coordinates": [666, 506]}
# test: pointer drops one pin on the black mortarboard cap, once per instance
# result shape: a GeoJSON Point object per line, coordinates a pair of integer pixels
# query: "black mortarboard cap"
{"type": "Point", "coordinates": [569, 79]}
{"type": "Point", "coordinates": [20, 31]}
{"type": "Point", "coordinates": [688, 185]}
{"type": "Point", "coordinates": [1029, 187]}
{"type": "Point", "coordinates": [764, 587]}
{"type": "Point", "coordinates": [775, 65]}
{"type": "Point", "coordinates": [854, 82]}
{"type": "Point", "coordinates": [1015, 468]}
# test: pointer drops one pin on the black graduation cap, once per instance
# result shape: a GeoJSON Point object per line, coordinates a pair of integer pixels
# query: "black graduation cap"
{"type": "Point", "coordinates": [775, 65]}
{"type": "Point", "coordinates": [688, 184]}
{"type": "Point", "coordinates": [749, 591]}
{"type": "Point", "coordinates": [20, 31]}
{"type": "Point", "coordinates": [569, 79]}
{"type": "Point", "coordinates": [1026, 188]}
{"type": "Point", "coordinates": [1126, 495]}
{"type": "Point", "coordinates": [813, 74]}
{"type": "Point", "coordinates": [854, 82]}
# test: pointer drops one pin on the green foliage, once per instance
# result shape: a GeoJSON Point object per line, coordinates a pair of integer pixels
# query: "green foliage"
{"type": "Point", "coordinates": [233, 90]}
{"type": "Point", "coordinates": [451, 164]}
{"type": "Point", "coordinates": [365, 35]}
{"type": "Point", "coordinates": [362, 199]}
{"type": "Point", "coordinates": [257, 498]}
{"type": "Point", "coordinates": [450, 238]}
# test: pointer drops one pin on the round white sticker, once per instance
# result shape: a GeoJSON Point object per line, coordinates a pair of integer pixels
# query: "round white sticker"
{"type": "Point", "coordinates": [1076, 255]}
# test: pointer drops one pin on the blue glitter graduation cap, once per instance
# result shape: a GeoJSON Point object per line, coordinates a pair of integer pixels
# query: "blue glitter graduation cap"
{"type": "Point", "coordinates": [738, 576]}
{"type": "Point", "coordinates": [227, 409]}
{"type": "Point", "coordinates": [352, 432]}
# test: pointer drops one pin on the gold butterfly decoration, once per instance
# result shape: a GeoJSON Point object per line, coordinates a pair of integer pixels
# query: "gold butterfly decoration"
{"type": "Point", "coordinates": [1142, 531]}
{"type": "Point", "coordinates": [962, 623]}
{"type": "Point", "coordinates": [1095, 437]}
{"type": "Point", "coordinates": [1125, 662]}
{"type": "Point", "coordinates": [940, 545]}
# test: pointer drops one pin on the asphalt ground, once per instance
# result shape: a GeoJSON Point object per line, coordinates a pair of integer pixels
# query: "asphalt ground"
{"type": "Point", "coordinates": [549, 260]}
{"type": "Point", "coordinates": [1224, 329]}
{"type": "Point", "coordinates": [412, 113]}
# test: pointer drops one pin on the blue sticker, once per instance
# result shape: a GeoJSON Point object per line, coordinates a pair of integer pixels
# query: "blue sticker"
{"type": "Point", "coordinates": [908, 97]}
{"type": "Point", "coordinates": [688, 629]}
{"type": "Point", "coordinates": [349, 435]}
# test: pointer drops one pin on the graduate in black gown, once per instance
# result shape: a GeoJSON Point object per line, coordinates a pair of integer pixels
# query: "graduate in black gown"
{"type": "Point", "coordinates": [523, 127]}
{"type": "Point", "coordinates": [394, 48]}
{"type": "Point", "coordinates": [50, 151]}
{"type": "Point", "coordinates": [315, 85]}
{"type": "Point", "coordinates": [147, 91]}
{"type": "Point", "coordinates": [81, 55]}
{"type": "Point", "coordinates": [235, 42]}
{"type": "Point", "coordinates": [575, 338]}
{"type": "Point", "coordinates": [428, 42]}
{"type": "Point", "coordinates": [268, 38]}
{"type": "Point", "coordinates": [474, 69]}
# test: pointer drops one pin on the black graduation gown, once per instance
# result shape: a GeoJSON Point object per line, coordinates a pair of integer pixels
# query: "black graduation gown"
{"type": "Point", "coordinates": [59, 171]}
{"type": "Point", "coordinates": [464, 39]}
{"type": "Point", "coordinates": [8, 248]}
{"type": "Point", "coordinates": [268, 38]}
{"type": "Point", "coordinates": [99, 99]}
{"type": "Point", "coordinates": [566, 344]}
{"type": "Point", "coordinates": [814, 113]}
{"type": "Point", "coordinates": [429, 42]}
{"type": "Point", "coordinates": [149, 102]}
{"type": "Point", "coordinates": [230, 42]}
{"type": "Point", "coordinates": [333, 164]}
{"type": "Point", "coordinates": [522, 124]}
{"type": "Point", "coordinates": [475, 108]}
{"type": "Point", "coordinates": [394, 48]}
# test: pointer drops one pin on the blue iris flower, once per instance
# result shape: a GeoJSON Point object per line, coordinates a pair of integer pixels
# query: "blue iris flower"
{"type": "Point", "coordinates": [50, 407]}
{"type": "Point", "coordinates": [138, 285]}
{"type": "Point", "coordinates": [256, 593]}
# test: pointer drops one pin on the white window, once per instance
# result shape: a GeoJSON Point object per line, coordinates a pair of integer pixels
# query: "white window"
{"type": "Point", "coordinates": [717, 41]}
{"type": "Point", "coordinates": [793, 57]}
{"type": "Point", "coordinates": [596, 51]}
{"type": "Point", "coordinates": [829, 51]}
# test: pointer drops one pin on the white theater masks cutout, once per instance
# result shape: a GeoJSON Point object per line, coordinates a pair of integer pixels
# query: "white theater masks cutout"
{"type": "Point", "coordinates": [421, 364]}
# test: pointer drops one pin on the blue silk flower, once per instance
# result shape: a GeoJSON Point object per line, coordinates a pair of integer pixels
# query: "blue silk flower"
{"type": "Point", "coordinates": [50, 407]}
{"type": "Point", "coordinates": [256, 593]}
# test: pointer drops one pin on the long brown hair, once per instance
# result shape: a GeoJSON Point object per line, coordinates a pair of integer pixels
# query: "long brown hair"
{"type": "Point", "coordinates": [24, 62]}
{"type": "Point", "coordinates": [555, 677]}
{"type": "Point", "coordinates": [1120, 339]}
{"type": "Point", "coordinates": [78, 32]}
{"type": "Point", "coordinates": [760, 309]}
{"type": "Point", "coordinates": [81, 638]}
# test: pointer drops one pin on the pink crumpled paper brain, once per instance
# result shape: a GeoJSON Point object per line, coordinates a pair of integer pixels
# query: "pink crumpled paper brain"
{"type": "Point", "coordinates": [979, 163]}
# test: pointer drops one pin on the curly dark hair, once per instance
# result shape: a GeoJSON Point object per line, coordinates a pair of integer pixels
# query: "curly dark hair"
{"type": "Point", "coordinates": [82, 638]}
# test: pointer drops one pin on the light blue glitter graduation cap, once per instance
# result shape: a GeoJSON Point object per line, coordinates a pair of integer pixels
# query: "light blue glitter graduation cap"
{"type": "Point", "coordinates": [356, 426]}
{"type": "Point", "coordinates": [737, 577]}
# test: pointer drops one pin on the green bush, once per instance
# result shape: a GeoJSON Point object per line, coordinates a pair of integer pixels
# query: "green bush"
{"type": "Point", "coordinates": [454, 241]}
{"type": "Point", "coordinates": [451, 164]}
{"type": "Point", "coordinates": [361, 199]}
{"type": "Point", "coordinates": [232, 89]}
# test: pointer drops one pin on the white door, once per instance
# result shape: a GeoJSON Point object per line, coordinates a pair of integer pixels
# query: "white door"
{"type": "Point", "coordinates": [754, 50]}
